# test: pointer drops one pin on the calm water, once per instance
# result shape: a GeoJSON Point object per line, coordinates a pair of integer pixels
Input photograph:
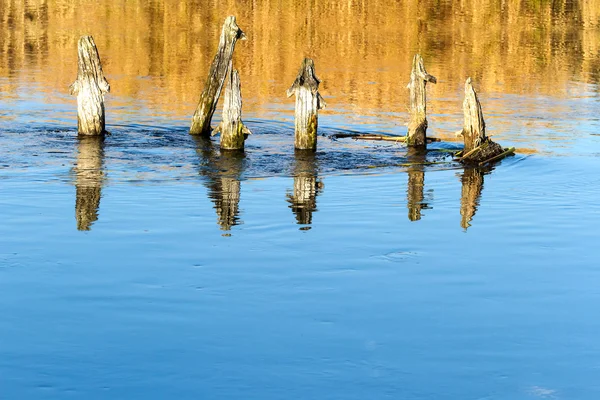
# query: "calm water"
{"type": "Point", "coordinates": [149, 265]}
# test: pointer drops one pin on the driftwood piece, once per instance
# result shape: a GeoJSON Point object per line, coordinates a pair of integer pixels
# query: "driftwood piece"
{"type": "Point", "coordinates": [230, 33]}
{"type": "Point", "coordinates": [472, 185]}
{"type": "Point", "coordinates": [417, 126]}
{"type": "Point", "coordinates": [375, 137]}
{"type": "Point", "coordinates": [232, 129]}
{"type": "Point", "coordinates": [478, 147]}
{"type": "Point", "coordinates": [90, 87]}
{"type": "Point", "coordinates": [303, 199]}
{"type": "Point", "coordinates": [89, 176]}
{"type": "Point", "coordinates": [308, 104]}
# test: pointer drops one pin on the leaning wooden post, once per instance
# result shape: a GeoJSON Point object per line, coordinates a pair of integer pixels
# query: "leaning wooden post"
{"type": "Point", "coordinates": [230, 33]}
{"type": "Point", "coordinates": [232, 129]}
{"type": "Point", "coordinates": [478, 147]}
{"type": "Point", "coordinates": [308, 102]}
{"type": "Point", "coordinates": [418, 103]}
{"type": "Point", "coordinates": [89, 87]}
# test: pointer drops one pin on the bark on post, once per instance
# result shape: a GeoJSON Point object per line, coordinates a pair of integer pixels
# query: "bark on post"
{"type": "Point", "coordinates": [478, 147]}
{"type": "Point", "coordinates": [472, 185]}
{"type": "Point", "coordinates": [230, 33]}
{"type": "Point", "coordinates": [417, 126]}
{"type": "Point", "coordinates": [232, 129]}
{"type": "Point", "coordinates": [89, 87]}
{"type": "Point", "coordinates": [303, 199]}
{"type": "Point", "coordinates": [88, 180]}
{"type": "Point", "coordinates": [308, 102]}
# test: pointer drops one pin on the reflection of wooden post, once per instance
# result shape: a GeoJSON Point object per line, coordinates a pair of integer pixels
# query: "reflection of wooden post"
{"type": "Point", "coordinates": [478, 147]}
{"type": "Point", "coordinates": [89, 87]}
{"type": "Point", "coordinates": [416, 184]}
{"type": "Point", "coordinates": [88, 181]}
{"type": "Point", "coordinates": [232, 129]}
{"type": "Point", "coordinates": [223, 173]}
{"type": "Point", "coordinates": [230, 33]}
{"type": "Point", "coordinates": [308, 102]}
{"type": "Point", "coordinates": [303, 200]}
{"type": "Point", "coordinates": [472, 185]}
{"type": "Point", "coordinates": [418, 103]}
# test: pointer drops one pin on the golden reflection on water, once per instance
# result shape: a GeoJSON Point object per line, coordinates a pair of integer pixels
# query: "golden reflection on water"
{"type": "Point", "coordinates": [159, 51]}
{"type": "Point", "coordinates": [89, 177]}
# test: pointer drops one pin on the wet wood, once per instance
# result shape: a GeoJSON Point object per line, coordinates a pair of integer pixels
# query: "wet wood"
{"type": "Point", "coordinates": [303, 199]}
{"type": "Point", "coordinates": [232, 129]}
{"type": "Point", "coordinates": [89, 176]}
{"type": "Point", "coordinates": [230, 33]}
{"type": "Point", "coordinates": [417, 126]}
{"type": "Point", "coordinates": [478, 147]}
{"type": "Point", "coordinates": [375, 137]}
{"type": "Point", "coordinates": [90, 87]}
{"type": "Point", "coordinates": [472, 185]}
{"type": "Point", "coordinates": [308, 103]}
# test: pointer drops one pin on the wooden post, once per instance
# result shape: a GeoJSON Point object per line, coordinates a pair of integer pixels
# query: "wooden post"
{"type": "Point", "coordinates": [230, 33]}
{"type": "Point", "coordinates": [472, 185]}
{"type": "Point", "coordinates": [232, 129]}
{"type": "Point", "coordinates": [417, 126]}
{"type": "Point", "coordinates": [303, 199]}
{"type": "Point", "coordinates": [478, 147]}
{"type": "Point", "coordinates": [89, 87]}
{"type": "Point", "coordinates": [308, 102]}
{"type": "Point", "coordinates": [88, 180]}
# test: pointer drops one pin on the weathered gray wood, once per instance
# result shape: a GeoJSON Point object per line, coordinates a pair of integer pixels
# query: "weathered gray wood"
{"type": "Point", "coordinates": [303, 199]}
{"type": "Point", "coordinates": [232, 129]}
{"type": "Point", "coordinates": [417, 126]}
{"type": "Point", "coordinates": [90, 87]}
{"type": "Point", "coordinates": [308, 103]}
{"type": "Point", "coordinates": [472, 185]}
{"type": "Point", "coordinates": [230, 33]}
{"type": "Point", "coordinates": [478, 147]}
{"type": "Point", "coordinates": [89, 176]}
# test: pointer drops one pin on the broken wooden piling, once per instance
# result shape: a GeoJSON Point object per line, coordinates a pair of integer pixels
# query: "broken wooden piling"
{"type": "Point", "coordinates": [308, 103]}
{"type": "Point", "coordinates": [89, 176]}
{"type": "Point", "coordinates": [232, 129]}
{"type": "Point", "coordinates": [479, 148]}
{"type": "Point", "coordinates": [90, 87]}
{"type": "Point", "coordinates": [417, 126]}
{"type": "Point", "coordinates": [230, 33]}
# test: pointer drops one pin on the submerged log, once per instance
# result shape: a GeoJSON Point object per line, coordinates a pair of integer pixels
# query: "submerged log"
{"type": "Point", "coordinates": [303, 199]}
{"type": "Point", "coordinates": [89, 176]}
{"type": "Point", "coordinates": [478, 147]}
{"type": "Point", "coordinates": [89, 87]}
{"type": "Point", "coordinates": [417, 127]}
{"type": "Point", "coordinates": [472, 185]}
{"type": "Point", "coordinates": [230, 33]}
{"type": "Point", "coordinates": [308, 103]}
{"type": "Point", "coordinates": [232, 129]}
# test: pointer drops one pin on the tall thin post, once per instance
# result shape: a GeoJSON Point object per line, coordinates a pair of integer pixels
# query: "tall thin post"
{"type": "Point", "coordinates": [90, 87]}
{"type": "Point", "coordinates": [308, 103]}
{"type": "Point", "coordinates": [417, 126]}
{"type": "Point", "coordinates": [89, 176]}
{"type": "Point", "coordinates": [230, 33]}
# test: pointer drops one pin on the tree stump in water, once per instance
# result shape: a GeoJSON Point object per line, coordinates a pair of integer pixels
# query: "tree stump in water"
{"type": "Point", "coordinates": [230, 33]}
{"type": "Point", "coordinates": [89, 87]}
{"type": "Point", "coordinates": [417, 127]}
{"type": "Point", "coordinates": [88, 180]}
{"type": "Point", "coordinates": [308, 102]}
{"type": "Point", "coordinates": [478, 147]}
{"type": "Point", "coordinates": [232, 129]}
{"type": "Point", "coordinates": [303, 199]}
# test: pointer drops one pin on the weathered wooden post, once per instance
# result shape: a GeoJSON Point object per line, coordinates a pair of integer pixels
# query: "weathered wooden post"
{"type": "Point", "coordinates": [308, 102]}
{"type": "Point", "coordinates": [303, 199]}
{"type": "Point", "coordinates": [89, 87]}
{"type": "Point", "coordinates": [232, 129]}
{"type": "Point", "coordinates": [417, 126]}
{"type": "Point", "coordinates": [230, 33]}
{"type": "Point", "coordinates": [88, 180]}
{"type": "Point", "coordinates": [472, 185]}
{"type": "Point", "coordinates": [479, 148]}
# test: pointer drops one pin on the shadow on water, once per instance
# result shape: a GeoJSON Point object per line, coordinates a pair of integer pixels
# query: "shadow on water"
{"type": "Point", "coordinates": [303, 198]}
{"type": "Point", "coordinates": [416, 183]}
{"type": "Point", "coordinates": [222, 172]}
{"type": "Point", "coordinates": [89, 177]}
{"type": "Point", "coordinates": [472, 186]}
